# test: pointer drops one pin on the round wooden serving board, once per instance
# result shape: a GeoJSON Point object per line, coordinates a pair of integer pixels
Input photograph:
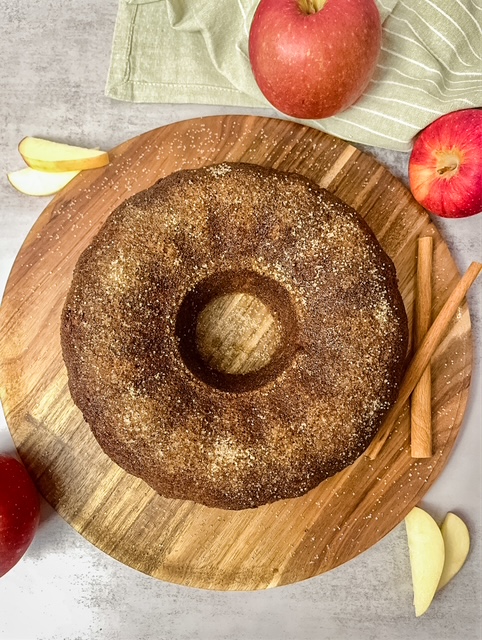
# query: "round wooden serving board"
{"type": "Point", "coordinates": [183, 542]}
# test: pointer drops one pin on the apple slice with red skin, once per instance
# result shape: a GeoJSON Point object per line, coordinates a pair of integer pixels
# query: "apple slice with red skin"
{"type": "Point", "coordinates": [314, 58]}
{"type": "Point", "coordinates": [445, 167]}
{"type": "Point", "coordinates": [19, 512]}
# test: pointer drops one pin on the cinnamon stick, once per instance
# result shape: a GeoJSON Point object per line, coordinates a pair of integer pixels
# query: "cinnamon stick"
{"type": "Point", "coordinates": [421, 401]}
{"type": "Point", "coordinates": [423, 355]}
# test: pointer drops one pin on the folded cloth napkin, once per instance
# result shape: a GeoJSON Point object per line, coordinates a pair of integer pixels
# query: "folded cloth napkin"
{"type": "Point", "coordinates": [196, 51]}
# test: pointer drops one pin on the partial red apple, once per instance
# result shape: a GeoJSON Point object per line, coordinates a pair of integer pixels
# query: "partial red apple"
{"type": "Point", "coordinates": [445, 167]}
{"type": "Point", "coordinates": [19, 512]}
{"type": "Point", "coordinates": [314, 58]}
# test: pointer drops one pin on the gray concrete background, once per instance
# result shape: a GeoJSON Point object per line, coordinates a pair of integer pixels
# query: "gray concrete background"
{"type": "Point", "coordinates": [54, 60]}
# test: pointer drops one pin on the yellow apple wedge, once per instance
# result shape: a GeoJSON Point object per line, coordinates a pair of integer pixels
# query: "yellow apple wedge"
{"type": "Point", "coordinates": [427, 554]}
{"type": "Point", "coordinates": [39, 183]}
{"type": "Point", "coordinates": [46, 155]}
{"type": "Point", "coordinates": [457, 544]}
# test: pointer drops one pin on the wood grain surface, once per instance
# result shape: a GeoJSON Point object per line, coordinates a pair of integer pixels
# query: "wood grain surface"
{"type": "Point", "coordinates": [179, 541]}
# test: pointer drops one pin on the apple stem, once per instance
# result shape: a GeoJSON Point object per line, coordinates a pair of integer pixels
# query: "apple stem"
{"type": "Point", "coordinates": [450, 167]}
{"type": "Point", "coordinates": [448, 163]}
{"type": "Point", "coordinates": [311, 6]}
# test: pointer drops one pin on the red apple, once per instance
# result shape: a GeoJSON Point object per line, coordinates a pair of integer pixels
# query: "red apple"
{"type": "Point", "coordinates": [445, 168]}
{"type": "Point", "coordinates": [19, 512]}
{"type": "Point", "coordinates": [314, 58]}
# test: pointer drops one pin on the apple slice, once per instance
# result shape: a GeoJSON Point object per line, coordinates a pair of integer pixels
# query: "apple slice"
{"type": "Point", "coordinates": [39, 183]}
{"type": "Point", "coordinates": [457, 544]}
{"type": "Point", "coordinates": [427, 554]}
{"type": "Point", "coordinates": [46, 155]}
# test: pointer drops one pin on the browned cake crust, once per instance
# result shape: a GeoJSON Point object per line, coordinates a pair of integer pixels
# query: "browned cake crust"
{"type": "Point", "coordinates": [231, 440]}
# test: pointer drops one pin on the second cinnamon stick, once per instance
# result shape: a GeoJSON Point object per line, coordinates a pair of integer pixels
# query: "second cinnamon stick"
{"type": "Point", "coordinates": [421, 401]}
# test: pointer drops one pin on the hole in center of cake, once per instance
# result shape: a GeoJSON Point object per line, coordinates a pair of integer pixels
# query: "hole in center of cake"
{"type": "Point", "coordinates": [236, 334]}
{"type": "Point", "coordinates": [237, 330]}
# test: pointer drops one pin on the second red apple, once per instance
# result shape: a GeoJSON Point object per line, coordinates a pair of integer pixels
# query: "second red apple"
{"type": "Point", "coordinates": [314, 58]}
{"type": "Point", "coordinates": [19, 512]}
{"type": "Point", "coordinates": [445, 168]}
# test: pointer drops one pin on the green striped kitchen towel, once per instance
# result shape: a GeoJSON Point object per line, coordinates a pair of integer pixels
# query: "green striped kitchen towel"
{"type": "Point", "coordinates": [177, 51]}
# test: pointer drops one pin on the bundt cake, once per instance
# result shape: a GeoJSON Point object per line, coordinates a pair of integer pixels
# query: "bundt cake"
{"type": "Point", "coordinates": [143, 358]}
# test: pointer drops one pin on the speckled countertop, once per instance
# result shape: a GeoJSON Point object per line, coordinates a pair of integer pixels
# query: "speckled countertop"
{"type": "Point", "coordinates": [54, 65]}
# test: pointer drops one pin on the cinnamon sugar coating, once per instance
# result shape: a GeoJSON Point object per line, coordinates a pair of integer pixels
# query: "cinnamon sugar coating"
{"type": "Point", "coordinates": [234, 441]}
